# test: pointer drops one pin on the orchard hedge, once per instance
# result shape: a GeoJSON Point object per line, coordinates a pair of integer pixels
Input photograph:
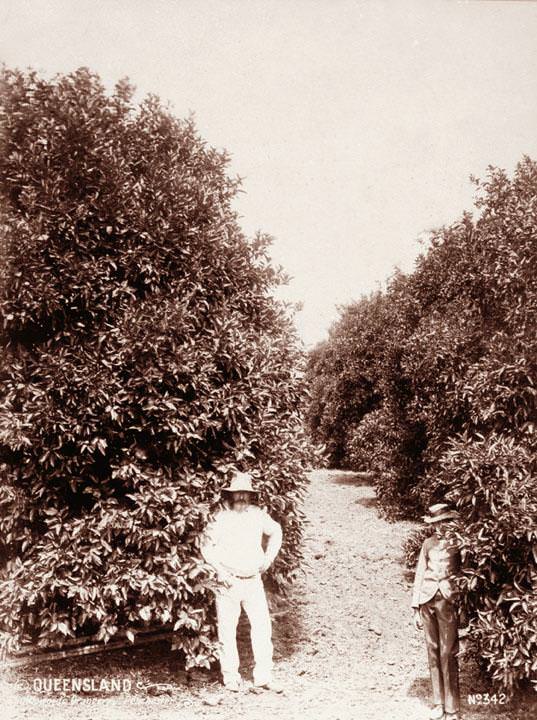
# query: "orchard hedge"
{"type": "Point", "coordinates": [452, 405]}
{"type": "Point", "coordinates": [144, 357]}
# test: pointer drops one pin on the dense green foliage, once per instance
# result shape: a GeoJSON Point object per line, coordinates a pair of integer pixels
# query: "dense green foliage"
{"type": "Point", "coordinates": [450, 351]}
{"type": "Point", "coordinates": [144, 357]}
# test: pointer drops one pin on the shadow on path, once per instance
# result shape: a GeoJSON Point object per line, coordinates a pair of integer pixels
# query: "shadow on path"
{"type": "Point", "coordinates": [367, 502]}
{"type": "Point", "coordinates": [420, 688]}
{"type": "Point", "coordinates": [351, 478]}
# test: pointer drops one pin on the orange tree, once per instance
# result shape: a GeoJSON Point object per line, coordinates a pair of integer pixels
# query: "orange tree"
{"type": "Point", "coordinates": [489, 379]}
{"type": "Point", "coordinates": [341, 374]}
{"type": "Point", "coordinates": [144, 357]}
{"type": "Point", "coordinates": [470, 364]}
{"type": "Point", "coordinates": [359, 408]}
{"type": "Point", "coordinates": [455, 366]}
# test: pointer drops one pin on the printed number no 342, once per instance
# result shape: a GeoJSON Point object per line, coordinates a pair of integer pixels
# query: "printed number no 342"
{"type": "Point", "coordinates": [487, 699]}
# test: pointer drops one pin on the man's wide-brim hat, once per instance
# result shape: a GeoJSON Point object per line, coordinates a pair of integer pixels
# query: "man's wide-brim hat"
{"type": "Point", "coordinates": [240, 482]}
{"type": "Point", "coordinates": [440, 512]}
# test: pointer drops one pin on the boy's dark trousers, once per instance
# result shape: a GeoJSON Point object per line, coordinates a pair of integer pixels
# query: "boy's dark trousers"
{"type": "Point", "coordinates": [440, 624]}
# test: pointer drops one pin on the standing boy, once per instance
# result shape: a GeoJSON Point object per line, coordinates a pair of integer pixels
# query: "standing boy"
{"type": "Point", "coordinates": [233, 546]}
{"type": "Point", "coordinates": [434, 601]}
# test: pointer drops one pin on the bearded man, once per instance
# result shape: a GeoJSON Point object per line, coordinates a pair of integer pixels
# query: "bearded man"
{"type": "Point", "coordinates": [233, 546]}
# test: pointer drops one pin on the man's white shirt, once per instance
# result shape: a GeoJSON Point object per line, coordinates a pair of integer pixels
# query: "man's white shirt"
{"type": "Point", "coordinates": [233, 540]}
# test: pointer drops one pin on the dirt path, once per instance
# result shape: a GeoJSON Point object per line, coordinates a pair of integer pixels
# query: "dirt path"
{"type": "Point", "coordinates": [344, 643]}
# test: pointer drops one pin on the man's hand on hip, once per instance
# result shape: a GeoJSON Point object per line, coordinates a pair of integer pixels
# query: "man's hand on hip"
{"type": "Point", "coordinates": [265, 565]}
{"type": "Point", "coordinates": [225, 578]}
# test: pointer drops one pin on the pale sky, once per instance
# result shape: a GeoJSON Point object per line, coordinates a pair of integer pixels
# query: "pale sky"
{"type": "Point", "coordinates": [355, 125]}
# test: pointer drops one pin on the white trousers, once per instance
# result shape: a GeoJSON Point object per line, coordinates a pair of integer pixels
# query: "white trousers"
{"type": "Point", "coordinates": [250, 594]}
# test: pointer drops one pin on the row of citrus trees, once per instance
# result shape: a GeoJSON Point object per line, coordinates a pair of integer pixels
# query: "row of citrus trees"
{"type": "Point", "coordinates": [143, 357]}
{"type": "Point", "coordinates": [432, 385]}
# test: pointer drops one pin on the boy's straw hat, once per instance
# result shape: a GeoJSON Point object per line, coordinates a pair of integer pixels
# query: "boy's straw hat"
{"type": "Point", "coordinates": [240, 482]}
{"type": "Point", "coordinates": [439, 512]}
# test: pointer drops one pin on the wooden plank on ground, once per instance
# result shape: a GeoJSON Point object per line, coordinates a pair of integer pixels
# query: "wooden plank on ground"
{"type": "Point", "coordinates": [53, 655]}
{"type": "Point", "coordinates": [29, 649]}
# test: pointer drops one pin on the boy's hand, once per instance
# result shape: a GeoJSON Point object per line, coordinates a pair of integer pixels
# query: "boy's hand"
{"type": "Point", "coordinates": [462, 617]}
{"type": "Point", "coordinates": [417, 619]}
{"type": "Point", "coordinates": [265, 565]}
